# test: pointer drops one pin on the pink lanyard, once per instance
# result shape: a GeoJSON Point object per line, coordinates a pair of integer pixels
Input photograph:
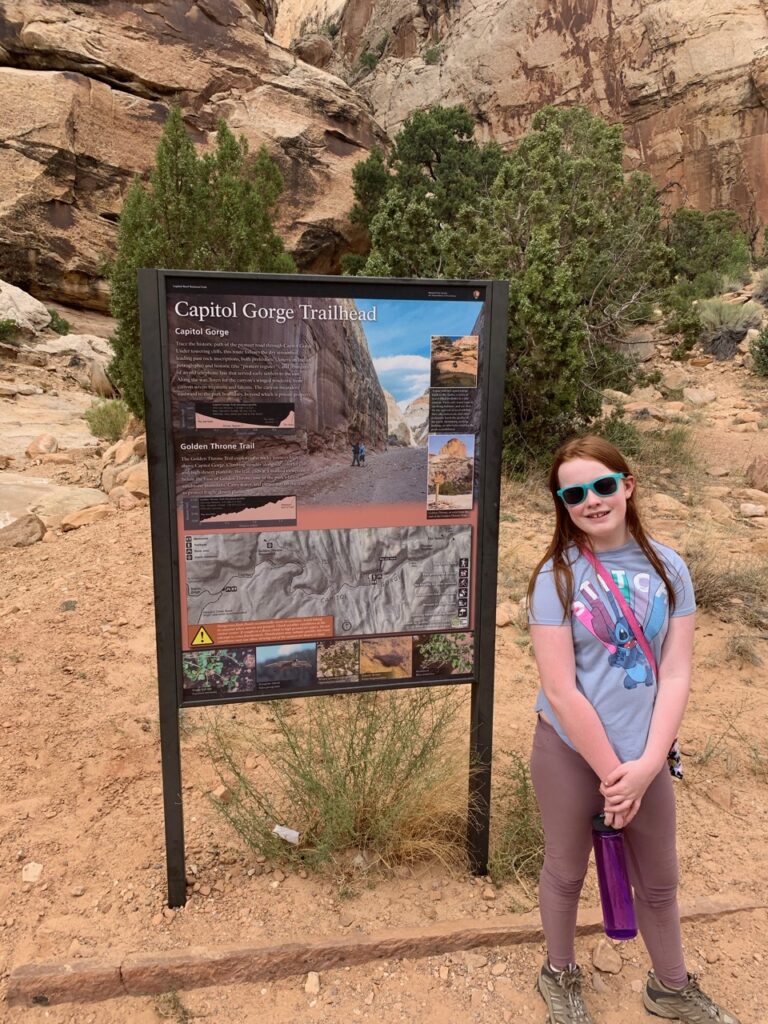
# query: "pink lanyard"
{"type": "Point", "coordinates": [629, 615]}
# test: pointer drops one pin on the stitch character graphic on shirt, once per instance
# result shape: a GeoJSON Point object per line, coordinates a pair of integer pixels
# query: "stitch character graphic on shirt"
{"type": "Point", "coordinates": [607, 623]}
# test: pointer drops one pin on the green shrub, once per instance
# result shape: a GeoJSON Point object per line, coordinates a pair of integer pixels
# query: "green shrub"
{"type": "Point", "coordinates": [759, 350]}
{"type": "Point", "coordinates": [369, 60]}
{"type": "Point", "coordinates": [108, 419]}
{"type": "Point", "coordinates": [621, 432]}
{"type": "Point", "coordinates": [8, 328]}
{"type": "Point", "coordinates": [708, 248]}
{"type": "Point", "coordinates": [517, 842]}
{"type": "Point", "coordinates": [213, 212]}
{"type": "Point", "coordinates": [685, 321]}
{"type": "Point", "coordinates": [384, 773]}
{"type": "Point", "coordinates": [58, 323]}
{"type": "Point", "coordinates": [432, 55]}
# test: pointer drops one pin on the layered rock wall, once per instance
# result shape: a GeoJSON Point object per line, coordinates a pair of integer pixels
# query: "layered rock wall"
{"type": "Point", "coordinates": [86, 88]}
{"type": "Point", "coordinates": [688, 80]}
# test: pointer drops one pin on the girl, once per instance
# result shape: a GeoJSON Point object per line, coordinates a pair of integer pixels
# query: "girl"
{"type": "Point", "coordinates": [606, 722]}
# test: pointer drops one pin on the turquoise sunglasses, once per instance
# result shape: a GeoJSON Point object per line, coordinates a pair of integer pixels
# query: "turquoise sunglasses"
{"type": "Point", "coordinates": [603, 486]}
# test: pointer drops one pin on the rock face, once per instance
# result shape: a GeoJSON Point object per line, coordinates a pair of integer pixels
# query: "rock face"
{"type": "Point", "coordinates": [398, 430]}
{"type": "Point", "coordinates": [417, 418]}
{"type": "Point", "coordinates": [86, 88]}
{"type": "Point", "coordinates": [690, 85]}
{"type": "Point", "coordinates": [451, 470]}
{"type": "Point", "coordinates": [338, 369]}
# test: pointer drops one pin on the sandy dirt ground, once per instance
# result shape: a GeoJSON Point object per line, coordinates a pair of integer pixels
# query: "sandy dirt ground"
{"type": "Point", "coordinates": [80, 795]}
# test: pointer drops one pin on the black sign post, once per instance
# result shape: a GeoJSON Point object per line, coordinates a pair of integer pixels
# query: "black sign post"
{"type": "Point", "coordinates": [324, 462]}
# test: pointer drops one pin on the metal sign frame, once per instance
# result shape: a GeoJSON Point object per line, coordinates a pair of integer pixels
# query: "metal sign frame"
{"type": "Point", "coordinates": [165, 547]}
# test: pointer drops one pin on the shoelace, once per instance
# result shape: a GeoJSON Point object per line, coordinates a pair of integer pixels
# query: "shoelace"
{"type": "Point", "coordinates": [700, 1000]}
{"type": "Point", "coordinates": [570, 983]}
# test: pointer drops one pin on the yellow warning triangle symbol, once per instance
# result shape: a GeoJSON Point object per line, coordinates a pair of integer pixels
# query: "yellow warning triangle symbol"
{"type": "Point", "coordinates": [202, 638]}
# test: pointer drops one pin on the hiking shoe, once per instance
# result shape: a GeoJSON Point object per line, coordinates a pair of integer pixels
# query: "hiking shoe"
{"type": "Point", "coordinates": [561, 991]}
{"type": "Point", "coordinates": [689, 1004]}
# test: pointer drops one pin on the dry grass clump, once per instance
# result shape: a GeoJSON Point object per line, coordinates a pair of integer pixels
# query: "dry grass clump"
{"type": "Point", "coordinates": [726, 323]}
{"type": "Point", "coordinates": [384, 773]}
{"type": "Point", "coordinates": [517, 842]}
{"type": "Point", "coordinates": [669, 460]}
{"type": "Point", "coordinates": [731, 587]}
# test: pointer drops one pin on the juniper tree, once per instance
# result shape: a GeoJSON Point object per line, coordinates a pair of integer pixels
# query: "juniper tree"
{"type": "Point", "coordinates": [209, 212]}
{"type": "Point", "coordinates": [406, 198]}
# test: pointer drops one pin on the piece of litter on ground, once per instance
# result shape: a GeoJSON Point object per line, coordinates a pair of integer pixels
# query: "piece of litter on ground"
{"type": "Point", "coordinates": [290, 835]}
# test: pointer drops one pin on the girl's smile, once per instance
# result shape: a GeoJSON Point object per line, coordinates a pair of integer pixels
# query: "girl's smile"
{"type": "Point", "coordinates": [601, 517]}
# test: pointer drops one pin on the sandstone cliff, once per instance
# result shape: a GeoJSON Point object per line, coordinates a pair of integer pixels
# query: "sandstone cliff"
{"type": "Point", "coordinates": [689, 81]}
{"type": "Point", "coordinates": [417, 418]}
{"type": "Point", "coordinates": [398, 429]}
{"type": "Point", "coordinates": [86, 88]}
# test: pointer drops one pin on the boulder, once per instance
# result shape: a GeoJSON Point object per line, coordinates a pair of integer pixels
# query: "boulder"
{"type": "Point", "coordinates": [30, 316]}
{"type": "Point", "coordinates": [752, 511]}
{"type": "Point", "coordinates": [747, 417]}
{"type": "Point", "coordinates": [665, 503]}
{"type": "Point", "coordinates": [43, 444]}
{"type": "Point", "coordinates": [699, 396]}
{"type": "Point", "coordinates": [22, 532]}
{"type": "Point", "coordinates": [674, 379]}
{"type": "Point", "coordinates": [745, 428]}
{"type": "Point", "coordinates": [89, 346]}
{"type": "Point", "coordinates": [315, 49]}
{"type": "Point", "coordinates": [137, 481]}
{"type": "Point", "coordinates": [756, 473]}
{"type": "Point", "coordinates": [86, 517]}
{"type": "Point", "coordinates": [100, 383]}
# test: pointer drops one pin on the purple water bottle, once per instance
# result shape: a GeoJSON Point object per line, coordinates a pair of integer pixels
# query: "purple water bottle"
{"type": "Point", "coordinates": [613, 880]}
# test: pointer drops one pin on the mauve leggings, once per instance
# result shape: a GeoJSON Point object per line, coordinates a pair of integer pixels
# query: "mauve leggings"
{"type": "Point", "coordinates": [568, 794]}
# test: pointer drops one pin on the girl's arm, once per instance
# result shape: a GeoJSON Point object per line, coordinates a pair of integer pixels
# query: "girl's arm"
{"type": "Point", "coordinates": [630, 780]}
{"type": "Point", "coordinates": [553, 649]}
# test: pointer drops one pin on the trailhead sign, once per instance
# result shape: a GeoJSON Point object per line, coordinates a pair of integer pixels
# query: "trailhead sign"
{"type": "Point", "coordinates": [324, 477]}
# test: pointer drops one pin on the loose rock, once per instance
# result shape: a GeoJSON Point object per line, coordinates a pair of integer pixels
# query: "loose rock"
{"type": "Point", "coordinates": [312, 984]}
{"type": "Point", "coordinates": [605, 958]}
{"type": "Point", "coordinates": [22, 533]}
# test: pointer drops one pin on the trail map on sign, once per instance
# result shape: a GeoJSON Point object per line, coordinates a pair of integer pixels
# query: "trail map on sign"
{"type": "Point", "coordinates": [387, 580]}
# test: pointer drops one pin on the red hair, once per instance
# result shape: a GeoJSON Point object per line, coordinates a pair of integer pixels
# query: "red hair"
{"type": "Point", "coordinates": [567, 534]}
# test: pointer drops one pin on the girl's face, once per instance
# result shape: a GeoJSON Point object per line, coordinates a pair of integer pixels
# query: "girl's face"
{"type": "Point", "coordinates": [602, 518]}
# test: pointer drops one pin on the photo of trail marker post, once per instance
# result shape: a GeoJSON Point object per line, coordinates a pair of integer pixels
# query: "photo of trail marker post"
{"type": "Point", "coordinates": [451, 472]}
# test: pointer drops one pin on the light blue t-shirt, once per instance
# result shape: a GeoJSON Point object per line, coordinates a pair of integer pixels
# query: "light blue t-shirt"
{"type": "Point", "coordinates": [611, 670]}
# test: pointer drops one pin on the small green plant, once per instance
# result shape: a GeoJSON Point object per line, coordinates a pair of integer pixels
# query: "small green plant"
{"type": "Point", "coordinates": [517, 849]}
{"type": "Point", "coordinates": [379, 772]}
{"type": "Point", "coordinates": [758, 349]}
{"type": "Point", "coordinates": [7, 329]}
{"type": "Point", "coordinates": [108, 419]}
{"type": "Point", "coordinates": [170, 1007]}
{"type": "Point", "coordinates": [432, 55]}
{"type": "Point", "coordinates": [330, 27]}
{"type": "Point", "coordinates": [58, 323]}
{"type": "Point", "coordinates": [684, 320]}
{"type": "Point", "coordinates": [621, 432]}
{"type": "Point", "coordinates": [369, 60]}
{"type": "Point", "coordinates": [447, 651]}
